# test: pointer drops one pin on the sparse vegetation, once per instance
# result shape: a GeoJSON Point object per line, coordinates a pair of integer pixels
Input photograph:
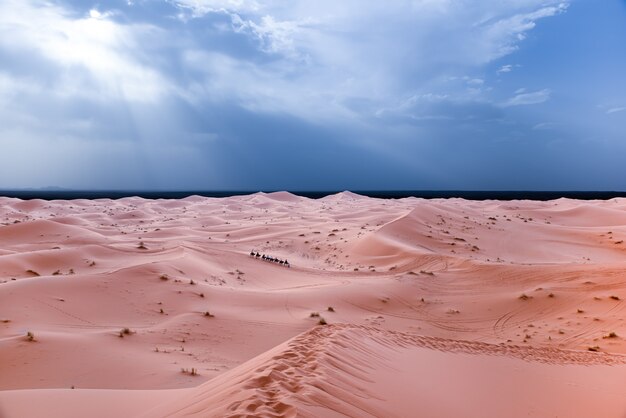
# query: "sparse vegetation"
{"type": "Point", "coordinates": [551, 295]}
{"type": "Point", "coordinates": [209, 314]}
{"type": "Point", "coordinates": [314, 315]}
{"type": "Point", "coordinates": [611, 334]}
{"type": "Point", "coordinates": [142, 246]}
{"type": "Point", "coordinates": [614, 297]}
{"type": "Point", "coordinates": [524, 296]}
{"type": "Point", "coordinates": [322, 321]}
{"type": "Point", "coordinates": [33, 272]}
{"type": "Point", "coordinates": [580, 310]}
{"type": "Point", "coordinates": [30, 336]}
{"type": "Point", "coordinates": [430, 273]}
{"type": "Point", "coordinates": [594, 348]}
{"type": "Point", "coordinates": [191, 282]}
{"type": "Point", "coordinates": [164, 277]}
{"type": "Point", "coordinates": [124, 331]}
{"type": "Point", "coordinates": [331, 309]}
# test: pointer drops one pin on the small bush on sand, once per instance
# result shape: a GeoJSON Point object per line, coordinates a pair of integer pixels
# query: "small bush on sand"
{"type": "Point", "coordinates": [124, 331]}
{"type": "Point", "coordinates": [594, 348]}
{"type": "Point", "coordinates": [30, 336]}
{"type": "Point", "coordinates": [322, 321]}
{"type": "Point", "coordinates": [524, 296]}
{"type": "Point", "coordinates": [209, 314]}
{"type": "Point", "coordinates": [142, 246]}
{"type": "Point", "coordinates": [314, 315]}
{"type": "Point", "coordinates": [33, 272]}
{"type": "Point", "coordinates": [611, 335]}
{"type": "Point", "coordinates": [614, 297]}
{"type": "Point", "coordinates": [331, 309]}
{"type": "Point", "coordinates": [164, 277]}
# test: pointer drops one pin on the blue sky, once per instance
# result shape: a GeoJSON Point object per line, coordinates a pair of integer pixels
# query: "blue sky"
{"type": "Point", "coordinates": [303, 95]}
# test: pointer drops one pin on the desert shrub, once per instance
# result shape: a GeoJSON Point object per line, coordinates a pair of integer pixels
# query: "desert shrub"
{"type": "Point", "coordinates": [124, 331]}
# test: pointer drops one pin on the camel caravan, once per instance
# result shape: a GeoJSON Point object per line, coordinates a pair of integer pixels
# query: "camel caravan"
{"type": "Point", "coordinates": [264, 257]}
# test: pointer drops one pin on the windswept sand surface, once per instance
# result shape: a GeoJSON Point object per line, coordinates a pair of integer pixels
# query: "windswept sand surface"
{"type": "Point", "coordinates": [434, 308]}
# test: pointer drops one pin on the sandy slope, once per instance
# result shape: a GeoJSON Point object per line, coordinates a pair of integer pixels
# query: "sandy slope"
{"type": "Point", "coordinates": [448, 307]}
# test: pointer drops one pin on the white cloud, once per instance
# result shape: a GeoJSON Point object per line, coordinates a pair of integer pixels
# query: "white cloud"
{"type": "Point", "coordinates": [200, 8]}
{"type": "Point", "coordinates": [506, 32]}
{"type": "Point", "coordinates": [544, 126]}
{"type": "Point", "coordinates": [505, 69]}
{"type": "Point", "coordinates": [94, 56]}
{"type": "Point", "coordinates": [371, 52]}
{"type": "Point", "coordinates": [522, 98]}
{"type": "Point", "coordinates": [326, 61]}
{"type": "Point", "coordinates": [615, 110]}
{"type": "Point", "coordinates": [273, 36]}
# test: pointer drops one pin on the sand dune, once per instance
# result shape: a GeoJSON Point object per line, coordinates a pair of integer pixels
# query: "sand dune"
{"type": "Point", "coordinates": [434, 307]}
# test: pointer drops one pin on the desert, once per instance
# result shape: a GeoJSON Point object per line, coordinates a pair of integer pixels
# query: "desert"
{"type": "Point", "coordinates": [387, 308]}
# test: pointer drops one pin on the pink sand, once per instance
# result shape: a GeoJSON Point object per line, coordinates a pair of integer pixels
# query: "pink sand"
{"type": "Point", "coordinates": [440, 308]}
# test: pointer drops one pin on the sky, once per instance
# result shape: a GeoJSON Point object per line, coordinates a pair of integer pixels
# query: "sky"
{"type": "Point", "coordinates": [313, 95]}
